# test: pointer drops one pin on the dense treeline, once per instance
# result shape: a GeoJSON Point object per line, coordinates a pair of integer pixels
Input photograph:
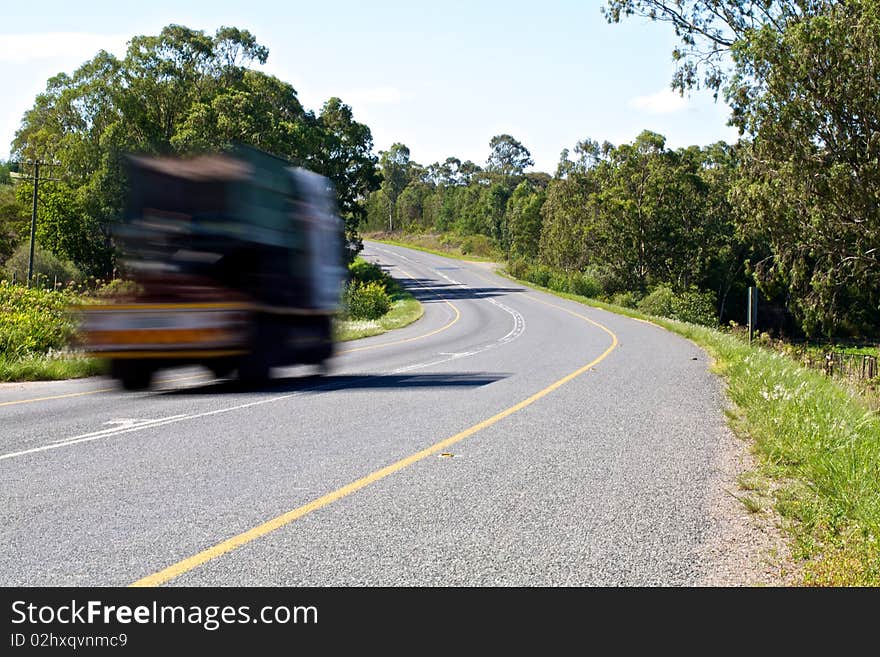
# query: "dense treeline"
{"type": "Point", "coordinates": [793, 206]}
{"type": "Point", "coordinates": [619, 221]}
{"type": "Point", "coordinates": [179, 92]}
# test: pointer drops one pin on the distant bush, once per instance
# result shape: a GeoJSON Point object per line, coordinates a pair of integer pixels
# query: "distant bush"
{"type": "Point", "coordinates": [558, 281]}
{"type": "Point", "coordinates": [539, 275]}
{"type": "Point", "coordinates": [366, 300]}
{"type": "Point", "coordinates": [517, 268]}
{"type": "Point", "coordinates": [584, 284]}
{"type": "Point", "coordinates": [659, 302]}
{"type": "Point", "coordinates": [626, 299]}
{"type": "Point", "coordinates": [478, 245]}
{"type": "Point", "coordinates": [118, 288]}
{"type": "Point", "coordinates": [694, 306]}
{"type": "Point", "coordinates": [47, 267]}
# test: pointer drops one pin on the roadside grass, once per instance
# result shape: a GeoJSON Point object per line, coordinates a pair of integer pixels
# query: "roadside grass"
{"type": "Point", "coordinates": [817, 443]}
{"type": "Point", "coordinates": [48, 367]}
{"type": "Point", "coordinates": [460, 248]}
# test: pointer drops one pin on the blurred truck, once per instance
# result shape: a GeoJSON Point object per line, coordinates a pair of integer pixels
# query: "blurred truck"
{"type": "Point", "coordinates": [239, 262]}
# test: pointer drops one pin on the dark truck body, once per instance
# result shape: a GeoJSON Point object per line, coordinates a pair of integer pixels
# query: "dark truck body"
{"type": "Point", "coordinates": [240, 261]}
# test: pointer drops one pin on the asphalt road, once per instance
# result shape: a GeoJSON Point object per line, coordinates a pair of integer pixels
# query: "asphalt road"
{"type": "Point", "coordinates": [507, 438]}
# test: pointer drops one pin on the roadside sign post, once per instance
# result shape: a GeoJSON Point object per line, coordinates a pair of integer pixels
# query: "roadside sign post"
{"type": "Point", "coordinates": [753, 311]}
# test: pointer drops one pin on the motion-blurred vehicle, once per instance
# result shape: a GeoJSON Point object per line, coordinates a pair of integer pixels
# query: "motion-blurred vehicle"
{"type": "Point", "coordinates": [239, 261]}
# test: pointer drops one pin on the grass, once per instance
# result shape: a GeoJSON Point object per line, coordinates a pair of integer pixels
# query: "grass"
{"type": "Point", "coordinates": [442, 245]}
{"type": "Point", "coordinates": [817, 443]}
{"type": "Point", "coordinates": [49, 367]}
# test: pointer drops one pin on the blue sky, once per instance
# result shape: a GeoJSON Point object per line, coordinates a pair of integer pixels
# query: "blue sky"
{"type": "Point", "coordinates": [443, 78]}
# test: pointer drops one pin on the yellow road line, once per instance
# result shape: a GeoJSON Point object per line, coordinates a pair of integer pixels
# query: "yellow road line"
{"type": "Point", "coordinates": [175, 570]}
{"type": "Point", "coordinates": [70, 394]}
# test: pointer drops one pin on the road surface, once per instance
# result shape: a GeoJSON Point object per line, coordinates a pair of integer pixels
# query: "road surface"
{"type": "Point", "coordinates": [508, 437]}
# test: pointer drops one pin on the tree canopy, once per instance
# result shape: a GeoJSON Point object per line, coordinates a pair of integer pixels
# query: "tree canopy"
{"type": "Point", "coordinates": [182, 91]}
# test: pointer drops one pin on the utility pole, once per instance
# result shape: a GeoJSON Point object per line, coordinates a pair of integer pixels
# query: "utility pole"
{"type": "Point", "coordinates": [36, 178]}
{"type": "Point", "coordinates": [33, 222]}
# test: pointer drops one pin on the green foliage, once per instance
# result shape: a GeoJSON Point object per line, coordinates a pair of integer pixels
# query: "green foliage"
{"type": "Point", "coordinates": [49, 367]}
{"type": "Point", "coordinates": [626, 299]}
{"type": "Point", "coordinates": [539, 275]}
{"type": "Point", "coordinates": [366, 300]}
{"type": "Point", "coordinates": [523, 221]}
{"type": "Point", "coordinates": [695, 307]}
{"type": "Point", "coordinates": [518, 268]}
{"type": "Point", "coordinates": [690, 305]}
{"type": "Point", "coordinates": [584, 284]}
{"type": "Point", "coordinates": [14, 220]}
{"type": "Point", "coordinates": [659, 302]}
{"type": "Point", "coordinates": [34, 321]}
{"type": "Point", "coordinates": [557, 281]}
{"type": "Point", "coordinates": [175, 92]}
{"type": "Point", "coordinates": [47, 267]}
{"type": "Point", "coordinates": [118, 288]}
{"type": "Point", "coordinates": [478, 245]}
{"type": "Point", "coordinates": [804, 87]}
{"type": "Point", "coordinates": [810, 183]}
{"type": "Point", "coordinates": [508, 157]}
{"type": "Point", "coordinates": [367, 272]}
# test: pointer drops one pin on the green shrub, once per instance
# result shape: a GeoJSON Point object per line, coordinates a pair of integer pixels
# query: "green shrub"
{"type": "Point", "coordinates": [517, 268]}
{"type": "Point", "coordinates": [118, 288]}
{"type": "Point", "coordinates": [34, 321]}
{"type": "Point", "coordinates": [659, 302]}
{"type": "Point", "coordinates": [558, 281]}
{"type": "Point", "coordinates": [584, 284]}
{"type": "Point", "coordinates": [367, 272]}
{"type": "Point", "coordinates": [47, 267]}
{"type": "Point", "coordinates": [626, 299]}
{"type": "Point", "coordinates": [366, 300]}
{"type": "Point", "coordinates": [539, 275]}
{"type": "Point", "coordinates": [478, 245]}
{"type": "Point", "coordinates": [696, 307]}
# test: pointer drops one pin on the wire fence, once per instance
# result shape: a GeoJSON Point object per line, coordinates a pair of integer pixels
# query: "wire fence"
{"type": "Point", "coordinates": [842, 365]}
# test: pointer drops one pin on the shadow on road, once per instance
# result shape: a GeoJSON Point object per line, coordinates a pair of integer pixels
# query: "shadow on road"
{"type": "Point", "coordinates": [331, 383]}
{"type": "Point", "coordinates": [428, 290]}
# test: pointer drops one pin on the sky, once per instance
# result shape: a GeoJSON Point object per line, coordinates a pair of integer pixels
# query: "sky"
{"type": "Point", "coordinates": [441, 77]}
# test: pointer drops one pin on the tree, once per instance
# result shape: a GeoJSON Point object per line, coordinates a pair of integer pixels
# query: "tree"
{"type": "Point", "coordinates": [523, 219]}
{"type": "Point", "coordinates": [344, 153]}
{"type": "Point", "coordinates": [810, 184]}
{"type": "Point", "coordinates": [14, 220]}
{"type": "Point", "coordinates": [709, 29]}
{"type": "Point", "coordinates": [395, 164]}
{"type": "Point", "coordinates": [508, 157]}
{"type": "Point", "coordinates": [570, 227]}
{"type": "Point", "coordinates": [183, 91]}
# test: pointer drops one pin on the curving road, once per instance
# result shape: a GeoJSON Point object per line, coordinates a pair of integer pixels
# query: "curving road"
{"type": "Point", "coordinates": [507, 438]}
